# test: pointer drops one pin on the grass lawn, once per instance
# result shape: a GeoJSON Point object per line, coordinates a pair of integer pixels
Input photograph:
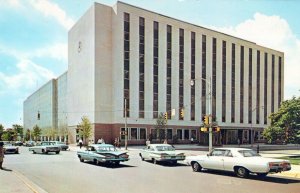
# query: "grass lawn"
{"type": "Point", "coordinates": [293, 159]}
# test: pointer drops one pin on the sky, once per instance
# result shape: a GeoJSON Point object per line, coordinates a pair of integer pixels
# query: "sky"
{"type": "Point", "coordinates": [34, 38]}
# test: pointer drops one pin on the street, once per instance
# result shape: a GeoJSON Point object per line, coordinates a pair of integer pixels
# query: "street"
{"type": "Point", "coordinates": [65, 173]}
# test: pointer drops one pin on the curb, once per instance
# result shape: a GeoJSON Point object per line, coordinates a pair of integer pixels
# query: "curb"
{"type": "Point", "coordinates": [291, 175]}
{"type": "Point", "coordinates": [32, 186]}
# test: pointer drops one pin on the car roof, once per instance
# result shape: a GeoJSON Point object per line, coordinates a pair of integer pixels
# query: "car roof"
{"type": "Point", "coordinates": [162, 144]}
{"type": "Point", "coordinates": [101, 145]}
{"type": "Point", "coordinates": [233, 148]}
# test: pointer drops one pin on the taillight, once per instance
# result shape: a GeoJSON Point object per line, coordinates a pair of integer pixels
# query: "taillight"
{"type": "Point", "coordinates": [124, 156]}
{"type": "Point", "coordinates": [271, 164]}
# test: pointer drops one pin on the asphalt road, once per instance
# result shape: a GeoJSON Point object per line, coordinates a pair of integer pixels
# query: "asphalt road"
{"type": "Point", "coordinates": [65, 173]}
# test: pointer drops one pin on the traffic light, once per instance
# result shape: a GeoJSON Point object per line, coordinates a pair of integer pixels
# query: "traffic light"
{"type": "Point", "coordinates": [166, 115]}
{"type": "Point", "coordinates": [206, 120]}
{"type": "Point", "coordinates": [182, 113]}
{"type": "Point", "coordinates": [216, 129]}
{"type": "Point", "coordinates": [203, 129]}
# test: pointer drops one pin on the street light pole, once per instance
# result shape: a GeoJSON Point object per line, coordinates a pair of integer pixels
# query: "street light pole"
{"type": "Point", "coordinates": [208, 82]}
{"type": "Point", "coordinates": [126, 134]}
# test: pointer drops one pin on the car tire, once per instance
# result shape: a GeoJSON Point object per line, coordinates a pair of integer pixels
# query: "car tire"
{"type": "Point", "coordinates": [174, 162]}
{"type": "Point", "coordinates": [242, 172]}
{"type": "Point", "coordinates": [33, 152]}
{"type": "Point", "coordinates": [143, 159]}
{"type": "Point", "coordinates": [196, 167]}
{"type": "Point", "coordinates": [81, 159]}
{"type": "Point", "coordinates": [262, 175]}
{"type": "Point", "coordinates": [154, 161]}
{"type": "Point", "coordinates": [57, 152]}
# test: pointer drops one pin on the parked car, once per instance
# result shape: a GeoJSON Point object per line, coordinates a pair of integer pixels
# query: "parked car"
{"type": "Point", "coordinates": [18, 143]}
{"type": "Point", "coordinates": [241, 161]}
{"type": "Point", "coordinates": [9, 148]}
{"type": "Point", "coordinates": [161, 153]}
{"type": "Point", "coordinates": [29, 143]}
{"type": "Point", "coordinates": [62, 145]}
{"type": "Point", "coordinates": [45, 147]}
{"type": "Point", "coordinates": [102, 153]}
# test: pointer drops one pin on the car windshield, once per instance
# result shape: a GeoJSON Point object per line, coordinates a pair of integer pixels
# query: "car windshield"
{"type": "Point", "coordinates": [248, 153]}
{"type": "Point", "coordinates": [106, 148]}
{"type": "Point", "coordinates": [165, 148]}
{"type": "Point", "coordinates": [48, 143]}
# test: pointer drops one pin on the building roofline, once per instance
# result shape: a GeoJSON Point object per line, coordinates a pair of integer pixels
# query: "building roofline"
{"type": "Point", "coordinates": [169, 17]}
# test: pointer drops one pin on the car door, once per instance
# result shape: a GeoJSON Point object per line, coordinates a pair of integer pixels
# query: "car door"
{"type": "Point", "coordinates": [228, 160]}
{"type": "Point", "coordinates": [215, 160]}
{"type": "Point", "coordinates": [147, 152]}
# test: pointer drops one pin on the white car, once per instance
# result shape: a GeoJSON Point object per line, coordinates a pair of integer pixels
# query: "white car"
{"type": "Point", "coordinates": [161, 153]}
{"type": "Point", "coordinates": [45, 147]}
{"type": "Point", "coordinates": [241, 161]}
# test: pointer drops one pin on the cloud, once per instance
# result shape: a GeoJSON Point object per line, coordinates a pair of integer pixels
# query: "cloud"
{"type": "Point", "coordinates": [11, 3]}
{"type": "Point", "coordinates": [50, 9]}
{"type": "Point", "coordinates": [26, 77]}
{"type": "Point", "coordinates": [58, 51]}
{"type": "Point", "coordinates": [273, 32]}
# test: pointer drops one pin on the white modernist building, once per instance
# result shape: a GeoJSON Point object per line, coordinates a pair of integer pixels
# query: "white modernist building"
{"type": "Point", "coordinates": [124, 60]}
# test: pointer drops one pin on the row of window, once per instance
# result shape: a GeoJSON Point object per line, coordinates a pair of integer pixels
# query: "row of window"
{"type": "Point", "coordinates": [203, 77]}
{"type": "Point", "coordinates": [141, 134]}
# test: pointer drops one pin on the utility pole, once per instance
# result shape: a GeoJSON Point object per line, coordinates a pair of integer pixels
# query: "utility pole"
{"type": "Point", "coordinates": [126, 134]}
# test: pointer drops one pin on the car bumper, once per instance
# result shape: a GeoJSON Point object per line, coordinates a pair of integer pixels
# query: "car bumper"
{"type": "Point", "coordinates": [115, 160]}
{"type": "Point", "coordinates": [279, 169]}
{"type": "Point", "coordinates": [171, 159]}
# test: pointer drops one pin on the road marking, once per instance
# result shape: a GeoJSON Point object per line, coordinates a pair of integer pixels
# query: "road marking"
{"type": "Point", "coordinates": [28, 183]}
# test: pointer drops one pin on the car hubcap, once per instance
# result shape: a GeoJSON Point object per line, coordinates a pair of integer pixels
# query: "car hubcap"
{"type": "Point", "coordinates": [196, 167]}
{"type": "Point", "coordinates": [241, 171]}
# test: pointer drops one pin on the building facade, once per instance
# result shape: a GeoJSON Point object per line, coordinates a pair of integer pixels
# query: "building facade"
{"type": "Point", "coordinates": [46, 108]}
{"type": "Point", "coordinates": [127, 64]}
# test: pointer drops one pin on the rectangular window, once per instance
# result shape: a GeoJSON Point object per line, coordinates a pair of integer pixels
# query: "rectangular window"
{"type": "Point", "coordinates": [242, 86]}
{"type": "Point", "coordinates": [250, 88]}
{"type": "Point", "coordinates": [126, 87]}
{"type": "Point", "coordinates": [214, 77]}
{"type": "Point", "coordinates": [279, 81]}
{"type": "Point", "coordinates": [233, 83]}
{"type": "Point", "coordinates": [169, 71]}
{"type": "Point", "coordinates": [142, 133]}
{"type": "Point", "coordinates": [141, 66]}
{"type": "Point", "coordinates": [266, 89]}
{"type": "Point", "coordinates": [258, 88]}
{"type": "Point", "coordinates": [169, 133]}
{"type": "Point", "coordinates": [194, 134]}
{"type": "Point", "coordinates": [203, 92]}
{"type": "Point", "coordinates": [133, 133]}
{"type": "Point", "coordinates": [186, 134]}
{"type": "Point", "coordinates": [181, 71]}
{"type": "Point", "coordinates": [179, 133]}
{"type": "Point", "coordinates": [193, 58]}
{"type": "Point", "coordinates": [224, 81]}
{"type": "Point", "coordinates": [155, 68]}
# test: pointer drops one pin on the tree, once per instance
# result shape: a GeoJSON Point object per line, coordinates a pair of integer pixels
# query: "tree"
{"type": "Point", "coordinates": [85, 129]}
{"type": "Point", "coordinates": [50, 133]}
{"type": "Point", "coordinates": [27, 135]}
{"type": "Point", "coordinates": [6, 136]}
{"type": "Point", "coordinates": [160, 126]}
{"type": "Point", "coordinates": [19, 130]}
{"type": "Point", "coordinates": [285, 124]}
{"type": "Point", "coordinates": [1, 130]}
{"type": "Point", "coordinates": [36, 132]}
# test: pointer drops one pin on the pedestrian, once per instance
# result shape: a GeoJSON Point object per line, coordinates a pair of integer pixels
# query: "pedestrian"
{"type": "Point", "coordinates": [100, 140]}
{"type": "Point", "coordinates": [238, 141]}
{"type": "Point", "coordinates": [116, 143]}
{"type": "Point", "coordinates": [1, 154]}
{"type": "Point", "coordinates": [257, 150]}
{"type": "Point", "coordinates": [192, 140]}
{"type": "Point", "coordinates": [147, 142]}
{"type": "Point", "coordinates": [165, 141]}
{"type": "Point", "coordinates": [80, 143]}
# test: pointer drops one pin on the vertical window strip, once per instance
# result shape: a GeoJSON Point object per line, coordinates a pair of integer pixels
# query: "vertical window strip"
{"type": "Point", "coordinates": [155, 68]}
{"type": "Point", "coordinates": [193, 58]}
{"type": "Point", "coordinates": [233, 84]}
{"type": "Point", "coordinates": [258, 88]}
{"type": "Point", "coordinates": [224, 81]}
{"type": "Point", "coordinates": [169, 70]}
{"type": "Point", "coordinates": [126, 105]}
{"type": "Point", "coordinates": [181, 71]}
{"type": "Point", "coordinates": [266, 89]}
{"type": "Point", "coordinates": [279, 81]}
{"type": "Point", "coordinates": [250, 88]}
{"type": "Point", "coordinates": [242, 86]}
{"type": "Point", "coordinates": [141, 67]}
{"type": "Point", "coordinates": [203, 93]}
{"type": "Point", "coordinates": [214, 78]}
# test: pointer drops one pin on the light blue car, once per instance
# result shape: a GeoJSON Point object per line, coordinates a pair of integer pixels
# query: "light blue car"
{"type": "Point", "coordinates": [102, 153]}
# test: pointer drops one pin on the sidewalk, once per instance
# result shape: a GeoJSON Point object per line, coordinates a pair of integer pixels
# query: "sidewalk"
{"type": "Point", "coordinates": [14, 182]}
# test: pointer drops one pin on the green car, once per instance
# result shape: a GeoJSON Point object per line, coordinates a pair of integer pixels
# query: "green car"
{"type": "Point", "coordinates": [102, 153]}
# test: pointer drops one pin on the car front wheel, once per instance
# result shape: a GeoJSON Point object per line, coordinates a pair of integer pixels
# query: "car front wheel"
{"type": "Point", "coordinates": [242, 172]}
{"type": "Point", "coordinates": [196, 167]}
